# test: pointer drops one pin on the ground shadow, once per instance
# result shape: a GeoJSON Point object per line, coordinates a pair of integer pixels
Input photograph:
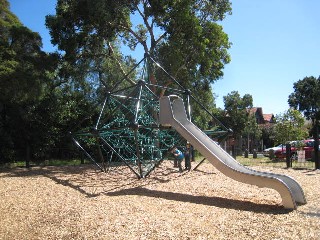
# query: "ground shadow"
{"type": "Point", "coordinates": [311, 172]}
{"type": "Point", "coordinates": [93, 183]}
{"type": "Point", "coordinates": [89, 181]}
{"type": "Point", "coordinates": [209, 201]}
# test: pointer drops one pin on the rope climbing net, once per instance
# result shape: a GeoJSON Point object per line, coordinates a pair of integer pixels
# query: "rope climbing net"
{"type": "Point", "coordinates": [128, 130]}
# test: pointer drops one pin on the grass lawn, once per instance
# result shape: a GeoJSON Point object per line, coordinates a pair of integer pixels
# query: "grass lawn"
{"type": "Point", "coordinates": [250, 161]}
{"type": "Point", "coordinates": [266, 162]}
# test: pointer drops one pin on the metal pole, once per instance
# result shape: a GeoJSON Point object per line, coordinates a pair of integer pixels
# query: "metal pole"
{"type": "Point", "coordinates": [199, 164]}
{"type": "Point", "coordinates": [136, 137]}
{"type": "Point", "coordinates": [88, 155]}
{"type": "Point", "coordinates": [188, 104]}
{"type": "Point", "coordinates": [119, 156]}
{"type": "Point", "coordinates": [138, 103]}
{"type": "Point", "coordinates": [103, 106]}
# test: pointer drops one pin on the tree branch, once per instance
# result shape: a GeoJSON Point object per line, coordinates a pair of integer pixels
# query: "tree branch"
{"type": "Point", "coordinates": [145, 20]}
{"type": "Point", "coordinates": [119, 64]}
{"type": "Point", "coordinates": [139, 39]}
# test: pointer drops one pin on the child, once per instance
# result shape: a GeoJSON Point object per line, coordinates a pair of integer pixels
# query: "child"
{"type": "Point", "coordinates": [178, 155]}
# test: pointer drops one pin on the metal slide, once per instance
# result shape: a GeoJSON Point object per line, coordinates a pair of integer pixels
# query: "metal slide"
{"type": "Point", "coordinates": [172, 113]}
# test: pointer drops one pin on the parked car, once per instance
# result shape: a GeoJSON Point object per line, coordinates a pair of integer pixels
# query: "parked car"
{"type": "Point", "coordinates": [307, 146]}
{"type": "Point", "coordinates": [281, 153]}
{"type": "Point", "coordinates": [266, 152]}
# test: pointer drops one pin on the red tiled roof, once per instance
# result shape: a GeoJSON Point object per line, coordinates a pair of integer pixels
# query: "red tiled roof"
{"type": "Point", "coordinates": [267, 117]}
{"type": "Point", "coordinates": [253, 110]}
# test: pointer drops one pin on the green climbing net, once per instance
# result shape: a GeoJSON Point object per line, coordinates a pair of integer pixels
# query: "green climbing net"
{"type": "Point", "coordinates": [128, 129]}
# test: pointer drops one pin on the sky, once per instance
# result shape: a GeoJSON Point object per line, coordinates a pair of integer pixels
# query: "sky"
{"type": "Point", "coordinates": [274, 44]}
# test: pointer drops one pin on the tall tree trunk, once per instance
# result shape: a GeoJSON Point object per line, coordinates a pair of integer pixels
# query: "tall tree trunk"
{"type": "Point", "coordinates": [27, 155]}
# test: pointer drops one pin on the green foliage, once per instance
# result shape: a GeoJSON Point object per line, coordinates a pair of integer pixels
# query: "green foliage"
{"type": "Point", "coordinates": [199, 117]}
{"type": "Point", "coordinates": [306, 97]}
{"type": "Point", "coordinates": [85, 32]}
{"type": "Point", "coordinates": [252, 129]}
{"type": "Point", "coordinates": [289, 127]}
{"type": "Point", "coordinates": [7, 18]}
{"type": "Point", "coordinates": [44, 95]}
{"type": "Point", "coordinates": [237, 111]}
{"type": "Point", "coordinates": [182, 35]}
{"type": "Point", "coordinates": [25, 80]}
{"type": "Point", "coordinates": [268, 133]}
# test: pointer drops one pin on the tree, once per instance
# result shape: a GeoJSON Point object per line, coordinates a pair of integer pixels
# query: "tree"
{"type": "Point", "coordinates": [252, 131]}
{"type": "Point", "coordinates": [306, 99]}
{"type": "Point", "coordinates": [237, 112]}
{"type": "Point", "coordinates": [268, 134]}
{"type": "Point", "coordinates": [289, 127]}
{"type": "Point", "coordinates": [25, 79]}
{"type": "Point", "coordinates": [201, 118]}
{"type": "Point", "coordinates": [183, 36]}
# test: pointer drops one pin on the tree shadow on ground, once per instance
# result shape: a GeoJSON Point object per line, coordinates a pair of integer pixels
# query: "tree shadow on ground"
{"type": "Point", "coordinates": [121, 181]}
{"type": "Point", "coordinates": [89, 181]}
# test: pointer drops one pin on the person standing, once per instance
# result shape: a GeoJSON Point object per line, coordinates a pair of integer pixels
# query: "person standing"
{"type": "Point", "coordinates": [178, 155]}
{"type": "Point", "coordinates": [187, 160]}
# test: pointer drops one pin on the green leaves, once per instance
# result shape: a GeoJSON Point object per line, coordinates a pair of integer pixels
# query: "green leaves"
{"type": "Point", "coordinates": [237, 111]}
{"type": "Point", "coordinates": [25, 83]}
{"type": "Point", "coordinates": [306, 97]}
{"type": "Point", "coordinates": [179, 34]}
{"type": "Point", "coordinates": [289, 127]}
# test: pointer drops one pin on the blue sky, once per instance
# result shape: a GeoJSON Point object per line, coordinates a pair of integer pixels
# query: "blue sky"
{"type": "Point", "coordinates": [274, 44]}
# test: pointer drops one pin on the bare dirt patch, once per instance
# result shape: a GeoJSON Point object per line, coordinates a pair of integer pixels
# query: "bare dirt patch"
{"type": "Point", "coordinates": [82, 203]}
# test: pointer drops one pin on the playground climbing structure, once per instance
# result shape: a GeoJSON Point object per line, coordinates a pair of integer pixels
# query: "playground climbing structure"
{"type": "Point", "coordinates": [137, 127]}
{"type": "Point", "coordinates": [128, 129]}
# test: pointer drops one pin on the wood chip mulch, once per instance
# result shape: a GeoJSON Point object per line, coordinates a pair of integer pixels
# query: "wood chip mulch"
{"type": "Point", "coordinates": [79, 202]}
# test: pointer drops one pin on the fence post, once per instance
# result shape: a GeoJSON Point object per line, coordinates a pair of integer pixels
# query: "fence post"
{"type": "Point", "coordinates": [288, 155]}
{"type": "Point", "coordinates": [233, 150]}
{"type": "Point", "coordinates": [255, 155]}
{"type": "Point", "coordinates": [246, 153]}
{"type": "Point", "coordinates": [271, 154]}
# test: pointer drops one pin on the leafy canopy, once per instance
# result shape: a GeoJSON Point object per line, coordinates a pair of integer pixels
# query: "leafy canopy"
{"type": "Point", "coordinates": [183, 35]}
{"type": "Point", "coordinates": [306, 97]}
{"type": "Point", "coordinates": [289, 127]}
{"type": "Point", "coordinates": [25, 80]}
{"type": "Point", "coordinates": [237, 111]}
